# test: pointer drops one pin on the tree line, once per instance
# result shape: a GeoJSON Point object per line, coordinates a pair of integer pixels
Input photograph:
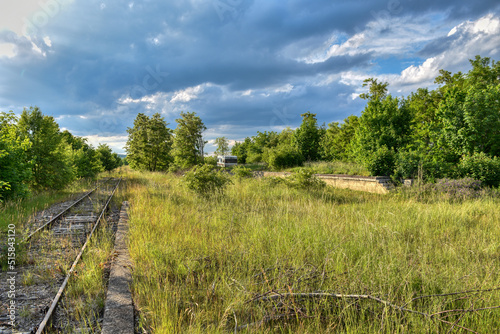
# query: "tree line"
{"type": "Point", "coordinates": [36, 155]}
{"type": "Point", "coordinates": [451, 131]}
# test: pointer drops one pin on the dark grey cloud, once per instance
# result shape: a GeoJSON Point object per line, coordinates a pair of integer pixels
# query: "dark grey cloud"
{"type": "Point", "coordinates": [99, 52]}
{"type": "Point", "coordinates": [438, 46]}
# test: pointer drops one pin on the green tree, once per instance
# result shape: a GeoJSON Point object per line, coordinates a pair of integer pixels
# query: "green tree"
{"type": "Point", "coordinates": [335, 144]}
{"type": "Point", "coordinates": [484, 72]}
{"type": "Point", "coordinates": [241, 150]}
{"type": "Point", "coordinates": [188, 142]}
{"type": "Point", "coordinates": [469, 111]}
{"type": "Point", "coordinates": [149, 143]}
{"type": "Point", "coordinates": [384, 129]}
{"type": "Point", "coordinates": [85, 159]}
{"type": "Point", "coordinates": [307, 137]}
{"type": "Point", "coordinates": [15, 173]}
{"type": "Point", "coordinates": [286, 137]}
{"type": "Point", "coordinates": [222, 146]}
{"type": "Point", "coordinates": [109, 160]}
{"type": "Point", "coordinates": [261, 142]}
{"type": "Point", "coordinates": [423, 105]}
{"type": "Point", "coordinates": [86, 162]}
{"type": "Point", "coordinates": [283, 156]}
{"type": "Point", "coordinates": [49, 155]}
{"type": "Point", "coordinates": [376, 90]}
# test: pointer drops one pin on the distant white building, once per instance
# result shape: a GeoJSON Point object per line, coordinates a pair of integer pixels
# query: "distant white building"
{"type": "Point", "coordinates": [227, 160]}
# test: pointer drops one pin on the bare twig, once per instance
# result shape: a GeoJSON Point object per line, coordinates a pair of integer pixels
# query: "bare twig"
{"type": "Point", "coordinates": [462, 327]}
{"type": "Point", "coordinates": [337, 296]}
{"type": "Point", "coordinates": [235, 322]}
{"type": "Point", "coordinates": [464, 310]}
{"type": "Point", "coordinates": [463, 313]}
{"type": "Point", "coordinates": [274, 295]}
{"type": "Point", "coordinates": [451, 294]}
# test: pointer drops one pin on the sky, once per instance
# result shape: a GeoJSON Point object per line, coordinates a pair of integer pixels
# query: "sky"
{"type": "Point", "coordinates": [241, 65]}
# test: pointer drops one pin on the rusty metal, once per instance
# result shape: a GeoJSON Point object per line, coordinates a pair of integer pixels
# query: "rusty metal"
{"type": "Point", "coordinates": [60, 214]}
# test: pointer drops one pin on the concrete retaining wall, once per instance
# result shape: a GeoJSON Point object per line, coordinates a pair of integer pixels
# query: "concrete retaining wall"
{"type": "Point", "coordinates": [378, 184]}
{"type": "Point", "coordinates": [372, 184]}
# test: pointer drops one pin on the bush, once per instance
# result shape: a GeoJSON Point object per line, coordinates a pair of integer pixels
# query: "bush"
{"type": "Point", "coordinates": [482, 167]}
{"type": "Point", "coordinates": [212, 161]}
{"type": "Point", "coordinates": [242, 172]}
{"type": "Point", "coordinates": [446, 189]}
{"type": "Point", "coordinates": [304, 179]}
{"type": "Point", "coordinates": [254, 158]}
{"type": "Point", "coordinates": [283, 157]}
{"type": "Point", "coordinates": [382, 162]}
{"type": "Point", "coordinates": [174, 168]}
{"type": "Point", "coordinates": [274, 181]}
{"type": "Point", "coordinates": [206, 181]}
{"type": "Point", "coordinates": [461, 189]}
{"type": "Point", "coordinates": [406, 165]}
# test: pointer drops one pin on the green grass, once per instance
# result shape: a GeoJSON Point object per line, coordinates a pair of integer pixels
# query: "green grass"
{"type": "Point", "coordinates": [335, 167]}
{"type": "Point", "coordinates": [85, 296]}
{"type": "Point", "coordinates": [200, 265]}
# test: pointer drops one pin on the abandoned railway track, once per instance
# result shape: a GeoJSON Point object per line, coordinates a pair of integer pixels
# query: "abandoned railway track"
{"type": "Point", "coordinates": [52, 249]}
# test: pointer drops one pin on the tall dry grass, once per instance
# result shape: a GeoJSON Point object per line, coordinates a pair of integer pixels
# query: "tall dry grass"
{"type": "Point", "coordinates": [206, 266]}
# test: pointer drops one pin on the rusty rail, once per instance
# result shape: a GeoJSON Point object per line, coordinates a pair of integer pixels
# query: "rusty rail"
{"type": "Point", "coordinates": [60, 214]}
{"type": "Point", "coordinates": [56, 299]}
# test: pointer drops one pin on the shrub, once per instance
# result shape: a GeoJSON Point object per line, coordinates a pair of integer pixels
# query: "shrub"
{"type": "Point", "coordinates": [174, 168]}
{"type": "Point", "coordinates": [206, 181]}
{"type": "Point", "coordinates": [253, 158]}
{"type": "Point", "coordinates": [460, 189]}
{"type": "Point", "coordinates": [304, 179]}
{"type": "Point", "coordinates": [445, 189]}
{"type": "Point", "coordinates": [283, 157]}
{"type": "Point", "coordinates": [434, 169]}
{"type": "Point", "coordinates": [274, 181]}
{"type": "Point", "coordinates": [381, 162]}
{"type": "Point", "coordinates": [481, 167]}
{"type": "Point", "coordinates": [406, 165]}
{"type": "Point", "coordinates": [242, 172]}
{"type": "Point", "coordinates": [212, 161]}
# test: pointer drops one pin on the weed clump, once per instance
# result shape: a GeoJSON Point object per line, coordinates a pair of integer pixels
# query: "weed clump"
{"type": "Point", "coordinates": [461, 189]}
{"type": "Point", "coordinates": [205, 181]}
{"type": "Point", "coordinates": [242, 172]}
{"type": "Point", "coordinates": [449, 190]}
{"type": "Point", "coordinates": [305, 179]}
{"type": "Point", "coordinates": [302, 179]}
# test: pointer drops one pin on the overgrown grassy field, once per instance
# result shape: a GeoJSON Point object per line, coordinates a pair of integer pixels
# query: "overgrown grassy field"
{"type": "Point", "coordinates": [251, 260]}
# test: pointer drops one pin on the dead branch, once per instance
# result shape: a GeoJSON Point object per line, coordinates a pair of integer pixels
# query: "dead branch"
{"type": "Point", "coordinates": [451, 294]}
{"type": "Point", "coordinates": [273, 296]}
{"type": "Point", "coordinates": [337, 296]}
{"type": "Point", "coordinates": [462, 327]}
{"type": "Point", "coordinates": [464, 310]}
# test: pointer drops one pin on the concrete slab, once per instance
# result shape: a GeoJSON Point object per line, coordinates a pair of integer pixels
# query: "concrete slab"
{"type": "Point", "coordinates": [119, 310]}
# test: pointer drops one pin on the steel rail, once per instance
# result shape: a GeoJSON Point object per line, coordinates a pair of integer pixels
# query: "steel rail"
{"type": "Point", "coordinates": [48, 315]}
{"type": "Point", "coordinates": [60, 214]}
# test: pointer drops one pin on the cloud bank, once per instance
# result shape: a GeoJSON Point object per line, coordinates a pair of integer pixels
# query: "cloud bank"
{"type": "Point", "coordinates": [242, 65]}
